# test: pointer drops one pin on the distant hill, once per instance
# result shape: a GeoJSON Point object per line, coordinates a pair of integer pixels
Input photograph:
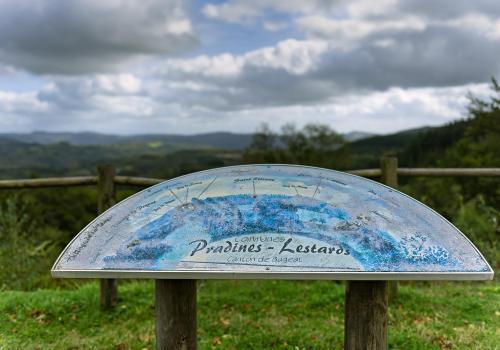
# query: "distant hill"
{"type": "Point", "coordinates": [430, 146]}
{"type": "Point", "coordinates": [366, 152]}
{"type": "Point", "coordinates": [78, 138]}
{"type": "Point", "coordinates": [357, 135]}
{"type": "Point", "coordinates": [395, 142]}
{"type": "Point", "coordinates": [224, 140]}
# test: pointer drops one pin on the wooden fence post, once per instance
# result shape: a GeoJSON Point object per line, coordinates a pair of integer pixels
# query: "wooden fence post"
{"type": "Point", "coordinates": [175, 306]}
{"type": "Point", "coordinates": [365, 324]}
{"type": "Point", "coordinates": [389, 177]}
{"type": "Point", "coordinates": [106, 198]}
{"type": "Point", "coordinates": [389, 170]}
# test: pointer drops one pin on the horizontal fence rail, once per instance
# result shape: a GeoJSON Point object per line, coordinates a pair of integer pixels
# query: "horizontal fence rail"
{"type": "Point", "coordinates": [136, 181]}
{"type": "Point", "coordinates": [49, 182]}
{"type": "Point", "coordinates": [146, 181]}
{"type": "Point", "coordinates": [365, 172]}
{"type": "Point", "coordinates": [448, 171]}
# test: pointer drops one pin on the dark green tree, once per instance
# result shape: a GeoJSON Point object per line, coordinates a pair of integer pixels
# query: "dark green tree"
{"type": "Point", "coordinates": [315, 144]}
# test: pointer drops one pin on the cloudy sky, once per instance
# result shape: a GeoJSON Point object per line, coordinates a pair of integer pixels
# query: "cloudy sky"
{"type": "Point", "coordinates": [166, 66]}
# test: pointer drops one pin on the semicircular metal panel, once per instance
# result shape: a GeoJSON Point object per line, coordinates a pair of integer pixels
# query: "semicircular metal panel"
{"type": "Point", "coordinates": [271, 221]}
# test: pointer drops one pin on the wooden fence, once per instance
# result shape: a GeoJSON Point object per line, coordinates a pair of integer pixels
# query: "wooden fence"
{"type": "Point", "coordinates": [146, 181]}
{"type": "Point", "coordinates": [106, 181]}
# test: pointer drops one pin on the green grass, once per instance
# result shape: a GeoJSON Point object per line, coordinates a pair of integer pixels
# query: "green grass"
{"type": "Point", "coordinates": [251, 315]}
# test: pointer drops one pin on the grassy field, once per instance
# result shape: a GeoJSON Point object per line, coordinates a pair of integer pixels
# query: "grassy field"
{"type": "Point", "coordinates": [251, 315]}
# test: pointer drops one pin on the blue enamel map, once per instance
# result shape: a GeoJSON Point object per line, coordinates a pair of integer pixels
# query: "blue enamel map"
{"type": "Point", "coordinates": [271, 221]}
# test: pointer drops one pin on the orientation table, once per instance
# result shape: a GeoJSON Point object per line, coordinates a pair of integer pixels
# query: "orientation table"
{"type": "Point", "coordinates": [271, 222]}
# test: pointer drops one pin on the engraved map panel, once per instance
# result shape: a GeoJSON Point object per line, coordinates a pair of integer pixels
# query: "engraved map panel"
{"type": "Point", "coordinates": [263, 220]}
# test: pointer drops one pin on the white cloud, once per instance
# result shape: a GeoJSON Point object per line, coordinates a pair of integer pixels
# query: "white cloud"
{"type": "Point", "coordinates": [217, 66]}
{"type": "Point", "coordinates": [479, 23]}
{"type": "Point", "coordinates": [366, 8]}
{"type": "Point", "coordinates": [274, 26]}
{"type": "Point", "coordinates": [293, 56]}
{"type": "Point", "coordinates": [140, 106]}
{"type": "Point", "coordinates": [113, 93]}
{"type": "Point", "coordinates": [7, 70]}
{"type": "Point", "coordinates": [268, 76]}
{"type": "Point", "coordinates": [18, 103]}
{"type": "Point", "coordinates": [115, 84]}
{"type": "Point", "coordinates": [74, 37]}
{"type": "Point", "coordinates": [349, 30]}
{"type": "Point", "coordinates": [241, 11]}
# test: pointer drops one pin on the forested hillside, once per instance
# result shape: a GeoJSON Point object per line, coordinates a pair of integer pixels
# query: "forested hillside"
{"type": "Point", "coordinates": [224, 140]}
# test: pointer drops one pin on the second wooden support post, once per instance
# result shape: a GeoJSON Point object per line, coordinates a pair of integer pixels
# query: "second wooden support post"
{"type": "Point", "coordinates": [365, 315]}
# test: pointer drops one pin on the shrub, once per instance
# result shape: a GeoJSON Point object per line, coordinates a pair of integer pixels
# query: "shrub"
{"type": "Point", "coordinates": [481, 224]}
{"type": "Point", "coordinates": [27, 250]}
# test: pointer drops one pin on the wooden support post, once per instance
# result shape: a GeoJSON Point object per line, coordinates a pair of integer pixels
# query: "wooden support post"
{"type": "Point", "coordinates": [389, 177]}
{"type": "Point", "coordinates": [109, 293]}
{"type": "Point", "coordinates": [106, 198]}
{"type": "Point", "coordinates": [175, 306]}
{"type": "Point", "coordinates": [389, 170]}
{"type": "Point", "coordinates": [365, 315]}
